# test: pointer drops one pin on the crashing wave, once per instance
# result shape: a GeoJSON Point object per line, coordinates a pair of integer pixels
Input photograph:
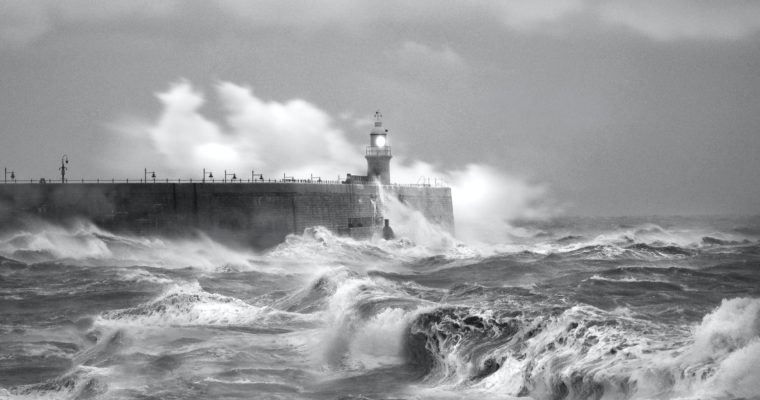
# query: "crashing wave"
{"type": "Point", "coordinates": [86, 244]}
{"type": "Point", "coordinates": [587, 353]}
{"type": "Point", "coordinates": [82, 383]}
{"type": "Point", "coordinates": [190, 305]}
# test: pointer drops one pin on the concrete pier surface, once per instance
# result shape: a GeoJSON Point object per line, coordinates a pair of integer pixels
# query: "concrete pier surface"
{"type": "Point", "coordinates": [257, 215]}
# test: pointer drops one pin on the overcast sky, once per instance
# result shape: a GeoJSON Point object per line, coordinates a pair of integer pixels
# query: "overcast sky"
{"type": "Point", "coordinates": [602, 107]}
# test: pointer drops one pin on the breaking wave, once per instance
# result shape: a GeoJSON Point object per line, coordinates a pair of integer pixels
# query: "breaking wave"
{"type": "Point", "coordinates": [189, 304]}
{"type": "Point", "coordinates": [585, 352]}
{"type": "Point", "coordinates": [84, 243]}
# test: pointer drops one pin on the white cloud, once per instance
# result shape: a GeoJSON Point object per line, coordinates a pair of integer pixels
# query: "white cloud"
{"type": "Point", "coordinates": [683, 19]}
{"type": "Point", "coordinates": [185, 138]}
{"type": "Point", "coordinates": [412, 53]}
{"type": "Point", "coordinates": [293, 137]}
{"type": "Point", "coordinates": [524, 15]}
{"type": "Point", "coordinates": [290, 13]}
{"type": "Point", "coordinates": [661, 20]}
{"type": "Point", "coordinates": [656, 19]}
{"type": "Point", "coordinates": [23, 21]}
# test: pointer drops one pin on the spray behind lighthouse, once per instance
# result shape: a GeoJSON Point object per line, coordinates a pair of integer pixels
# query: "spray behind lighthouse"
{"type": "Point", "coordinates": [409, 222]}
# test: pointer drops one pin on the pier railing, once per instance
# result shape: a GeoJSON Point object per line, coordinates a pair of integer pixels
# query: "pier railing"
{"type": "Point", "coordinates": [167, 180]}
{"type": "Point", "coordinates": [150, 181]}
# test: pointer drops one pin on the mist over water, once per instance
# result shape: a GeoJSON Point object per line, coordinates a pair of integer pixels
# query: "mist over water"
{"type": "Point", "coordinates": [574, 308]}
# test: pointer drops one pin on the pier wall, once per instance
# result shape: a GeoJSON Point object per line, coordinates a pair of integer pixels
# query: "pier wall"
{"type": "Point", "coordinates": [251, 214]}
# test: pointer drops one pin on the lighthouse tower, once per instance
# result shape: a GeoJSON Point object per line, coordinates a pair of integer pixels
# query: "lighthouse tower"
{"type": "Point", "coordinates": [378, 153]}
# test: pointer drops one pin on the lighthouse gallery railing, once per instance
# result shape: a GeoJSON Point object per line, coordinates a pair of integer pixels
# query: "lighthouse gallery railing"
{"type": "Point", "coordinates": [378, 151]}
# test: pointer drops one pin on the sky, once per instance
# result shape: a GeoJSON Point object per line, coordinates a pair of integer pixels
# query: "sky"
{"type": "Point", "coordinates": [542, 107]}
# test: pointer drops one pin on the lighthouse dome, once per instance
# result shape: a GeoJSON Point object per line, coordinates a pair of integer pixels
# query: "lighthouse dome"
{"type": "Point", "coordinates": [378, 128]}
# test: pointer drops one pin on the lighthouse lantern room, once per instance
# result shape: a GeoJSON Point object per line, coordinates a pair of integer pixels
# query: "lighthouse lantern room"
{"type": "Point", "coordinates": [378, 153]}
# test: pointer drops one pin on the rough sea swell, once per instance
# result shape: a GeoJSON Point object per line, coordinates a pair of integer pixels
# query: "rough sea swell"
{"type": "Point", "coordinates": [572, 309]}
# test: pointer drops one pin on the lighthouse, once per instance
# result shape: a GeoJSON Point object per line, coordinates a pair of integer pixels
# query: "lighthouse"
{"type": "Point", "coordinates": [378, 153]}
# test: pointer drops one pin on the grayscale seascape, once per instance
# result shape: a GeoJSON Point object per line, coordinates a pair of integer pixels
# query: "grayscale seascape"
{"type": "Point", "coordinates": [380, 200]}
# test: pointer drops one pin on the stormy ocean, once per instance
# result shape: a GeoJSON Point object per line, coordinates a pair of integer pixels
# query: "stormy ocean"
{"type": "Point", "coordinates": [570, 308]}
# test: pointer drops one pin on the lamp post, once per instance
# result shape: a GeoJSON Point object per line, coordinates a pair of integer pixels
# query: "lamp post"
{"type": "Point", "coordinates": [63, 168]}
{"type": "Point", "coordinates": [254, 175]}
{"type": "Point", "coordinates": [210, 176]}
{"type": "Point", "coordinates": [230, 174]}
{"type": "Point", "coordinates": [5, 176]}
{"type": "Point", "coordinates": [152, 175]}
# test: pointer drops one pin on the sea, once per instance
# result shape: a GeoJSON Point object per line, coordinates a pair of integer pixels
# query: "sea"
{"type": "Point", "coordinates": [562, 308]}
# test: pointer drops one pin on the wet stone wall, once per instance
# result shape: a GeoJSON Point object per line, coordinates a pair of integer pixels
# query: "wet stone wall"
{"type": "Point", "coordinates": [250, 214]}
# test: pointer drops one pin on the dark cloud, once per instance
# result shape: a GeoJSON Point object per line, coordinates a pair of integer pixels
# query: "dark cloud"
{"type": "Point", "coordinates": [616, 107]}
